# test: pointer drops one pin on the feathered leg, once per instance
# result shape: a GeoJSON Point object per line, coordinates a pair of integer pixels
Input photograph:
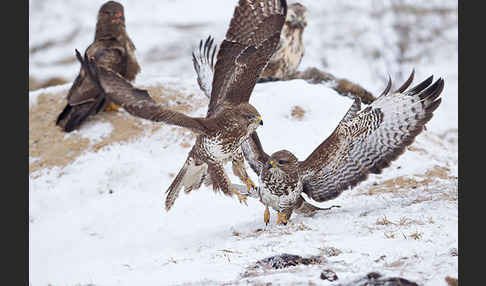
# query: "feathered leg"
{"type": "Point", "coordinates": [238, 166]}
{"type": "Point", "coordinates": [221, 181]}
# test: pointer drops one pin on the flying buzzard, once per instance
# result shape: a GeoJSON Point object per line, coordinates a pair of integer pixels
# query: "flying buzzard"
{"type": "Point", "coordinates": [251, 39]}
{"type": "Point", "coordinates": [365, 141]}
{"type": "Point", "coordinates": [112, 49]}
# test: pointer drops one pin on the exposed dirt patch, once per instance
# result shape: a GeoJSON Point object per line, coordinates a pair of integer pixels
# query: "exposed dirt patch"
{"type": "Point", "coordinates": [49, 146]}
{"type": "Point", "coordinates": [35, 84]}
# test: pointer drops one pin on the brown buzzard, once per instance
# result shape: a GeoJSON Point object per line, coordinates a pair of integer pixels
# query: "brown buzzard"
{"type": "Point", "coordinates": [365, 141]}
{"type": "Point", "coordinates": [250, 41]}
{"type": "Point", "coordinates": [112, 49]}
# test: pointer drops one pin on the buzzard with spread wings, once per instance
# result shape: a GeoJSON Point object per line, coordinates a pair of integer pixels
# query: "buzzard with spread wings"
{"type": "Point", "coordinates": [365, 141]}
{"type": "Point", "coordinates": [251, 39]}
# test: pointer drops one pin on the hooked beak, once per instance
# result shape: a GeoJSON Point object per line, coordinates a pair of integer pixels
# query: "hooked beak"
{"type": "Point", "coordinates": [258, 120]}
{"type": "Point", "coordinates": [271, 164]}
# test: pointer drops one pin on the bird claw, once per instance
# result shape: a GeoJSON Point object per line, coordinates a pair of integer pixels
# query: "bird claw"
{"type": "Point", "coordinates": [249, 184]}
{"type": "Point", "coordinates": [241, 198]}
{"type": "Point", "coordinates": [112, 107]}
{"type": "Point", "coordinates": [266, 215]}
{"type": "Point", "coordinates": [282, 218]}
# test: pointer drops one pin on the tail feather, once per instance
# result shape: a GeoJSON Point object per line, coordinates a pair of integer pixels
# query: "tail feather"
{"type": "Point", "coordinates": [73, 116]}
{"type": "Point", "coordinates": [308, 209]}
{"type": "Point", "coordinates": [63, 114]}
{"type": "Point", "coordinates": [175, 187]}
{"type": "Point", "coordinates": [190, 177]}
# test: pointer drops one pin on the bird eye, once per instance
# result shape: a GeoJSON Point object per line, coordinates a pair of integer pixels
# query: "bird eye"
{"type": "Point", "coordinates": [281, 162]}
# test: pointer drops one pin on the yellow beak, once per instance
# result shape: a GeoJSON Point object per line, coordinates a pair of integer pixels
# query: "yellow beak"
{"type": "Point", "coordinates": [259, 120]}
{"type": "Point", "coordinates": [271, 164]}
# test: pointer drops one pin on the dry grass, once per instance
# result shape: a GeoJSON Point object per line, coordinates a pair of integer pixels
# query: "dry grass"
{"type": "Point", "coordinates": [274, 230]}
{"type": "Point", "coordinates": [297, 112]}
{"type": "Point", "coordinates": [48, 144]}
{"type": "Point", "coordinates": [432, 181]}
{"type": "Point", "coordinates": [451, 281]}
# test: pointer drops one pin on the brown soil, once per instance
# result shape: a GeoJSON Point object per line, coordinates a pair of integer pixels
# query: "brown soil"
{"type": "Point", "coordinates": [48, 145]}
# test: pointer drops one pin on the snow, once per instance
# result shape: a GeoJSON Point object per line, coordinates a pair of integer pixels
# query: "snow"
{"type": "Point", "coordinates": [101, 219]}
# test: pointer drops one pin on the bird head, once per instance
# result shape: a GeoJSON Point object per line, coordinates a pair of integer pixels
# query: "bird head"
{"type": "Point", "coordinates": [111, 12]}
{"type": "Point", "coordinates": [250, 115]}
{"type": "Point", "coordinates": [111, 20]}
{"type": "Point", "coordinates": [296, 16]}
{"type": "Point", "coordinates": [283, 161]}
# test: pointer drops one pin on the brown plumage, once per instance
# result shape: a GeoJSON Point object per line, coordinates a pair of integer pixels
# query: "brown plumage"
{"type": "Point", "coordinates": [284, 63]}
{"type": "Point", "coordinates": [250, 41]}
{"type": "Point", "coordinates": [290, 50]}
{"type": "Point", "coordinates": [340, 85]}
{"type": "Point", "coordinates": [112, 49]}
{"type": "Point", "coordinates": [365, 141]}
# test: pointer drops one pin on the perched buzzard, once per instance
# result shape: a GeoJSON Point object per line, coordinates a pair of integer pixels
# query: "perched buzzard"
{"type": "Point", "coordinates": [251, 39]}
{"type": "Point", "coordinates": [112, 49]}
{"type": "Point", "coordinates": [365, 141]}
{"type": "Point", "coordinates": [284, 63]}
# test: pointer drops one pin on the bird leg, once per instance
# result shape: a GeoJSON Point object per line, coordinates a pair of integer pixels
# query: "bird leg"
{"type": "Point", "coordinates": [249, 184]}
{"type": "Point", "coordinates": [241, 197]}
{"type": "Point", "coordinates": [282, 218]}
{"type": "Point", "coordinates": [111, 107]}
{"type": "Point", "coordinates": [266, 215]}
{"type": "Point", "coordinates": [238, 166]}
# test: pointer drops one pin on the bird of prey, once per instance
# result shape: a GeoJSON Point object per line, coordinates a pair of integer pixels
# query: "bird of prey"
{"type": "Point", "coordinates": [203, 60]}
{"type": "Point", "coordinates": [112, 49]}
{"type": "Point", "coordinates": [284, 63]}
{"type": "Point", "coordinates": [365, 141]}
{"type": "Point", "coordinates": [290, 50]}
{"type": "Point", "coordinates": [250, 41]}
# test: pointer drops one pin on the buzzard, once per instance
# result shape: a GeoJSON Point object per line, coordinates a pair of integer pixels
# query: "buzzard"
{"type": "Point", "coordinates": [284, 63]}
{"type": "Point", "coordinates": [112, 49]}
{"type": "Point", "coordinates": [365, 141]}
{"type": "Point", "coordinates": [250, 41]}
{"type": "Point", "coordinates": [290, 50]}
{"type": "Point", "coordinates": [203, 60]}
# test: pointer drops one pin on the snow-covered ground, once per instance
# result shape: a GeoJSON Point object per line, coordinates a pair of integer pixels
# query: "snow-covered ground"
{"type": "Point", "coordinates": [100, 220]}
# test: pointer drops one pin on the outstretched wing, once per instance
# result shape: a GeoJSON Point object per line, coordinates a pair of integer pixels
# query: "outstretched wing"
{"type": "Point", "coordinates": [136, 101]}
{"type": "Point", "coordinates": [367, 141]}
{"type": "Point", "coordinates": [83, 90]}
{"type": "Point", "coordinates": [254, 154]}
{"type": "Point", "coordinates": [203, 60]}
{"type": "Point", "coordinates": [251, 40]}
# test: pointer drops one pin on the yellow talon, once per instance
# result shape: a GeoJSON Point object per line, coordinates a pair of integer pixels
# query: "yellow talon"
{"type": "Point", "coordinates": [266, 215]}
{"type": "Point", "coordinates": [282, 218]}
{"type": "Point", "coordinates": [112, 107]}
{"type": "Point", "coordinates": [249, 184]}
{"type": "Point", "coordinates": [241, 198]}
